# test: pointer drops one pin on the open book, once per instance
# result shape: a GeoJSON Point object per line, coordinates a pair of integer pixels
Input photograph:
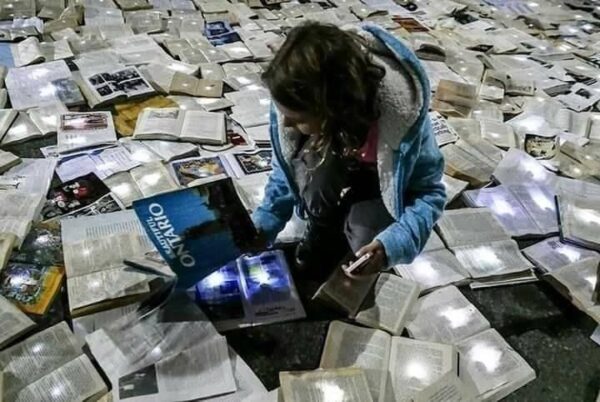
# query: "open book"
{"type": "Point", "coordinates": [7, 117]}
{"type": "Point", "coordinates": [107, 87]}
{"type": "Point", "coordinates": [465, 162]}
{"type": "Point", "coordinates": [86, 129]}
{"type": "Point", "coordinates": [94, 250]}
{"type": "Point", "coordinates": [380, 301]}
{"type": "Point", "coordinates": [454, 187]}
{"type": "Point", "coordinates": [436, 266]}
{"type": "Point", "coordinates": [579, 219]}
{"type": "Point", "coordinates": [178, 124]}
{"type": "Point", "coordinates": [8, 160]}
{"type": "Point", "coordinates": [491, 366]}
{"type": "Point", "coordinates": [19, 209]}
{"type": "Point", "coordinates": [21, 130]}
{"type": "Point", "coordinates": [315, 386]}
{"type": "Point", "coordinates": [551, 254]}
{"type": "Point", "coordinates": [577, 282]}
{"type": "Point", "coordinates": [13, 322]}
{"type": "Point", "coordinates": [252, 290]}
{"type": "Point", "coordinates": [523, 210]}
{"type": "Point", "coordinates": [483, 247]}
{"type": "Point", "coordinates": [31, 51]}
{"type": "Point", "coordinates": [396, 368]}
{"type": "Point", "coordinates": [49, 363]}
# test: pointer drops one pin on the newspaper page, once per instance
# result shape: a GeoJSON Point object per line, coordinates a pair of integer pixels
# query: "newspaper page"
{"type": "Point", "coordinates": [13, 321]}
{"type": "Point", "coordinates": [87, 324]}
{"type": "Point", "coordinates": [433, 269]}
{"type": "Point", "coordinates": [36, 357]}
{"type": "Point", "coordinates": [470, 226]}
{"type": "Point", "coordinates": [446, 316]}
{"type": "Point", "coordinates": [351, 346]}
{"type": "Point", "coordinates": [492, 259]}
{"type": "Point", "coordinates": [489, 363]}
{"type": "Point", "coordinates": [551, 254]}
{"type": "Point", "coordinates": [389, 303]}
{"type": "Point", "coordinates": [414, 365]}
{"type": "Point", "coordinates": [325, 385]}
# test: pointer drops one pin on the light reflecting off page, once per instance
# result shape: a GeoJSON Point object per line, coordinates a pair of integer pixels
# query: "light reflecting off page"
{"type": "Point", "coordinates": [424, 268]}
{"type": "Point", "coordinates": [417, 370]}
{"type": "Point", "coordinates": [331, 392]}
{"type": "Point", "coordinates": [151, 179]}
{"type": "Point", "coordinates": [570, 253]}
{"type": "Point", "coordinates": [488, 355]}
{"type": "Point", "coordinates": [214, 280]}
{"type": "Point", "coordinates": [587, 215]}
{"type": "Point", "coordinates": [537, 171]}
{"type": "Point", "coordinates": [457, 317]}
{"type": "Point", "coordinates": [502, 207]}
{"type": "Point", "coordinates": [591, 279]}
{"type": "Point", "coordinates": [541, 200]}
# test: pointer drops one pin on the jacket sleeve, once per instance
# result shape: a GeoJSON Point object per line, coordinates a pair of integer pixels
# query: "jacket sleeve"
{"type": "Point", "coordinates": [424, 201]}
{"type": "Point", "coordinates": [277, 206]}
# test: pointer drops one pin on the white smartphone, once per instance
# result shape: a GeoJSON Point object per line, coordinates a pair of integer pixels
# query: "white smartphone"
{"type": "Point", "coordinates": [358, 263]}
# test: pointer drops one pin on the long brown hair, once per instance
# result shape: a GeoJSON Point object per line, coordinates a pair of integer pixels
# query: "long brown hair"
{"type": "Point", "coordinates": [328, 74]}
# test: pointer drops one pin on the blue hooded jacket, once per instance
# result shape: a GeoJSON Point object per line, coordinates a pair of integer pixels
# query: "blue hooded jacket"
{"type": "Point", "coordinates": [409, 162]}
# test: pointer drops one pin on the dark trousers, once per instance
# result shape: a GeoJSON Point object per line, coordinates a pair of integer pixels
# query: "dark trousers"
{"type": "Point", "coordinates": [340, 196]}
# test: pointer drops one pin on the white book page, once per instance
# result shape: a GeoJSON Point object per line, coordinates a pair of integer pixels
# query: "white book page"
{"type": "Point", "coordinates": [124, 188]}
{"type": "Point", "coordinates": [487, 361]}
{"type": "Point", "coordinates": [17, 204]}
{"type": "Point", "coordinates": [160, 121]}
{"type": "Point", "coordinates": [389, 303]}
{"type": "Point", "coordinates": [415, 365]}
{"type": "Point", "coordinates": [12, 321]}
{"type": "Point", "coordinates": [470, 226]}
{"type": "Point", "coordinates": [492, 259]}
{"type": "Point", "coordinates": [539, 203]}
{"type": "Point", "coordinates": [100, 226]}
{"type": "Point", "coordinates": [351, 346]}
{"type": "Point", "coordinates": [317, 386]}
{"type": "Point", "coordinates": [517, 167]}
{"type": "Point", "coordinates": [464, 165]}
{"type": "Point", "coordinates": [153, 178]}
{"type": "Point", "coordinates": [454, 187]}
{"type": "Point", "coordinates": [580, 218]}
{"type": "Point", "coordinates": [81, 130]}
{"type": "Point", "coordinates": [21, 130]}
{"type": "Point", "coordinates": [448, 388]}
{"type": "Point", "coordinates": [27, 52]}
{"type": "Point", "coordinates": [446, 316]}
{"type": "Point", "coordinates": [433, 269]}
{"type": "Point", "coordinates": [552, 254]}
{"type": "Point", "coordinates": [37, 356]}
{"type": "Point", "coordinates": [580, 279]}
{"type": "Point", "coordinates": [206, 127]}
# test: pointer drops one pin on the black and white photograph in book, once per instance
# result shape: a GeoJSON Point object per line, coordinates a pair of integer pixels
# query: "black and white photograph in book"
{"type": "Point", "coordinates": [142, 382]}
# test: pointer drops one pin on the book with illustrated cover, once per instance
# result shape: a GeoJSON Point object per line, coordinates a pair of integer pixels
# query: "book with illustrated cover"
{"type": "Point", "coordinates": [31, 287]}
{"type": "Point", "coordinates": [198, 229]}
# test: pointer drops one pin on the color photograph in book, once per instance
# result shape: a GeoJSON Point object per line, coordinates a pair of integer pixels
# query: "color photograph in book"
{"type": "Point", "coordinates": [192, 171]}
{"type": "Point", "coordinates": [249, 163]}
{"type": "Point", "coordinates": [198, 229]}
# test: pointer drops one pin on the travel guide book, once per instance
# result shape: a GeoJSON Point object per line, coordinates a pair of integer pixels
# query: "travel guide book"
{"type": "Point", "coordinates": [198, 229]}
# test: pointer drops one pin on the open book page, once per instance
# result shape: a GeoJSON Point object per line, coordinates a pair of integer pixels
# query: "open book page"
{"type": "Point", "coordinates": [580, 219]}
{"type": "Point", "coordinates": [389, 303]}
{"type": "Point", "coordinates": [153, 178]}
{"type": "Point", "coordinates": [465, 166]}
{"type": "Point", "coordinates": [169, 150]}
{"type": "Point", "coordinates": [13, 321]}
{"type": "Point", "coordinates": [347, 384]}
{"type": "Point", "coordinates": [517, 167]}
{"type": "Point", "coordinates": [18, 204]}
{"type": "Point", "coordinates": [415, 365]}
{"type": "Point", "coordinates": [433, 269]}
{"type": "Point", "coordinates": [8, 160]}
{"type": "Point", "coordinates": [154, 122]}
{"type": "Point", "coordinates": [21, 130]}
{"type": "Point", "coordinates": [552, 254]}
{"type": "Point", "coordinates": [489, 363]}
{"type": "Point", "coordinates": [7, 243]}
{"type": "Point", "coordinates": [434, 243]}
{"type": "Point", "coordinates": [454, 187]}
{"type": "Point", "coordinates": [81, 130]}
{"type": "Point", "coordinates": [75, 380]}
{"type": "Point", "coordinates": [580, 280]}
{"type": "Point", "coordinates": [203, 127]}
{"type": "Point", "coordinates": [348, 293]}
{"type": "Point", "coordinates": [27, 52]}
{"type": "Point", "coordinates": [47, 117]}
{"type": "Point", "coordinates": [87, 324]}
{"type": "Point", "coordinates": [31, 176]}
{"type": "Point", "coordinates": [448, 388]}
{"type": "Point", "coordinates": [351, 346]}
{"type": "Point", "coordinates": [499, 134]}
{"type": "Point", "coordinates": [123, 187]}
{"type": "Point", "coordinates": [446, 316]}
{"type": "Point", "coordinates": [492, 259]}
{"type": "Point", "coordinates": [100, 226]}
{"type": "Point", "coordinates": [470, 226]}
{"type": "Point", "coordinates": [39, 355]}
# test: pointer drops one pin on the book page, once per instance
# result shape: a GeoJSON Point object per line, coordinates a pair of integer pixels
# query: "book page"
{"type": "Point", "coordinates": [124, 188]}
{"type": "Point", "coordinates": [347, 384]}
{"type": "Point", "coordinates": [76, 380]}
{"type": "Point", "coordinates": [12, 321]}
{"type": "Point", "coordinates": [580, 279]}
{"type": "Point", "coordinates": [470, 226]}
{"type": "Point", "coordinates": [448, 388]}
{"type": "Point", "coordinates": [39, 355]}
{"type": "Point", "coordinates": [389, 303]}
{"type": "Point", "coordinates": [539, 203]}
{"type": "Point", "coordinates": [153, 178]}
{"type": "Point", "coordinates": [552, 254]}
{"type": "Point", "coordinates": [100, 226]}
{"type": "Point", "coordinates": [580, 219]}
{"type": "Point", "coordinates": [492, 259]}
{"type": "Point", "coordinates": [21, 130]}
{"type": "Point", "coordinates": [207, 127]}
{"type": "Point", "coordinates": [351, 346]}
{"type": "Point", "coordinates": [464, 166]}
{"type": "Point", "coordinates": [433, 269]}
{"type": "Point", "coordinates": [414, 365]}
{"type": "Point", "coordinates": [488, 362]}
{"type": "Point", "coordinates": [517, 167]}
{"type": "Point", "coordinates": [347, 292]}
{"type": "Point", "coordinates": [160, 121]}
{"type": "Point", "coordinates": [27, 52]}
{"type": "Point", "coordinates": [81, 130]}
{"type": "Point", "coordinates": [446, 316]}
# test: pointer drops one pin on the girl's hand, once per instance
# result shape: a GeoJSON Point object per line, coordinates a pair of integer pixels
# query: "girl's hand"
{"type": "Point", "coordinates": [376, 263]}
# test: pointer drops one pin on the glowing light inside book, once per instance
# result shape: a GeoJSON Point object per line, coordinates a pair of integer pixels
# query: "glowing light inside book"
{"type": "Point", "coordinates": [142, 156]}
{"type": "Point", "coordinates": [152, 178]}
{"type": "Point", "coordinates": [570, 253]}
{"type": "Point", "coordinates": [537, 171]}
{"type": "Point", "coordinates": [502, 207]}
{"type": "Point", "coordinates": [592, 279]}
{"type": "Point", "coordinates": [416, 370]}
{"type": "Point", "coordinates": [457, 317]}
{"type": "Point", "coordinates": [489, 356]}
{"type": "Point", "coordinates": [56, 391]}
{"type": "Point", "coordinates": [488, 256]}
{"type": "Point", "coordinates": [424, 268]}
{"type": "Point", "coordinates": [37, 348]}
{"type": "Point", "coordinates": [541, 200]}
{"type": "Point", "coordinates": [262, 276]}
{"type": "Point", "coordinates": [215, 279]}
{"type": "Point", "coordinates": [588, 215]}
{"type": "Point", "coordinates": [331, 392]}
